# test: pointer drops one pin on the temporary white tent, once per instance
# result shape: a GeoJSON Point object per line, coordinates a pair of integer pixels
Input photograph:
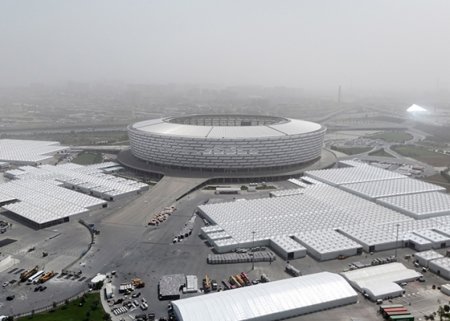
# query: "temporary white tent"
{"type": "Point", "coordinates": [269, 301]}
{"type": "Point", "coordinates": [380, 281]}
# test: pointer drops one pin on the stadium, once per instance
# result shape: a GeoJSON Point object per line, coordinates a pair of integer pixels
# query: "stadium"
{"type": "Point", "coordinates": [226, 143]}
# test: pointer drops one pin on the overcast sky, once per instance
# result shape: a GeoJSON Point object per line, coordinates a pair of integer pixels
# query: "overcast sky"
{"type": "Point", "coordinates": [402, 44]}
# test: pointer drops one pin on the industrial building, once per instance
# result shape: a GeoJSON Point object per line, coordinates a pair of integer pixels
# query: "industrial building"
{"type": "Point", "coordinates": [275, 300]}
{"type": "Point", "coordinates": [339, 212]}
{"type": "Point", "coordinates": [381, 281]}
{"type": "Point", "coordinates": [29, 152]}
{"type": "Point", "coordinates": [226, 143]}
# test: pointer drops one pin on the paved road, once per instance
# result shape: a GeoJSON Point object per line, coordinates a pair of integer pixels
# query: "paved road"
{"type": "Point", "coordinates": [163, 194]}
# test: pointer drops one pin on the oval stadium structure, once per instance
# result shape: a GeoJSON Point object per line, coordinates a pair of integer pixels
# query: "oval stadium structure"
{"type": "Point", "coordinates": [226, 142]}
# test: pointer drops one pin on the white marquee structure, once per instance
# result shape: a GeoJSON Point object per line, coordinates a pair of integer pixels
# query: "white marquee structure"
{"type": "Point", "coordinates": [31, 152]}
{"type": "Point", "coordinates": [344, 211]}
{"type": "Point", "coordinates": [269, 301]}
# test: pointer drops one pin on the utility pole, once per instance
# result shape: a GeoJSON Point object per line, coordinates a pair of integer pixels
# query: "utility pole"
{"type": "Point", "coordinates": [396, 243]}
{"type": "Point", "coordinates": [253, 247]}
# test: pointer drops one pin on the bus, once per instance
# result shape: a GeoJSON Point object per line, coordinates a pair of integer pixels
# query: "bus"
{"type": "Point", "coordinates": [35, 277]}
{"type": "Point", "coordinates": [407, 317]}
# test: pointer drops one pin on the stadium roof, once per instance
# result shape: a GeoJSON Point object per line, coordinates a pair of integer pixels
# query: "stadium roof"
{"type": "Point", "coordinates": [28, 151]}
{"type": "Point", "coordinates": [163, 126]}
{"type": "Point", "coordinates": [295, 295]}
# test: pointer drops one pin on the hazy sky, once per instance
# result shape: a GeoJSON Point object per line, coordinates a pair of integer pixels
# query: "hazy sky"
{"type": "Point", "coordinates": [389, 44]}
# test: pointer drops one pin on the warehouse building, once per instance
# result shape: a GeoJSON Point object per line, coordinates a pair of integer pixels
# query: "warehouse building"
{"type": "Point", "coordinates": [269, 301]}
{"type": "Point", "coordinates": [381, 281]}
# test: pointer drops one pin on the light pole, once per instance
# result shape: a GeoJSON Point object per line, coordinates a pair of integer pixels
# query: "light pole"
{"type": "Point", "coordinates": [396, 242]}
{"type": "Point", "coordinates": [253, 247]}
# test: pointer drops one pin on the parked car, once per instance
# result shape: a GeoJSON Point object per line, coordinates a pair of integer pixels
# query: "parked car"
{"type": "Point", "coordinates": [10, 297]}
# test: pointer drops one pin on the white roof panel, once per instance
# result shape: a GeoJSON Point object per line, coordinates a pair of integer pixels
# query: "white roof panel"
{"type": "Point", "coordinates": [28, 151]}
{"type": "Point", "coordinates": [420, 205]}
{"type": "Point", "coordinates": [362, 173]}
{"type": "Point", "coordinates": [288, 127]}
{"type": "Point", "coordinates": [391, 187]}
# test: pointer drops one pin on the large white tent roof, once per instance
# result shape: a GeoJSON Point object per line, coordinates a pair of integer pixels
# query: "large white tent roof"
{"type": "Point", "coordinates": [302, 294]}
{"type": "Point", "coordinates": [378, 280]}
{"type": "Point", "coordinates": [28, 151]}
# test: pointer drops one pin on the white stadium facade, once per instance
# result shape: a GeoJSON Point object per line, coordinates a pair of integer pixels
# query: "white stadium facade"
{"type": "Point", "coordinates": [226, 143]}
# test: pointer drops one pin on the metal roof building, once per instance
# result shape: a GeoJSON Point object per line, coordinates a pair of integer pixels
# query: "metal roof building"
{"type": "Point", "coordinates": [269, 301]}
{"type": "Point", "coordinates": [33, 152]}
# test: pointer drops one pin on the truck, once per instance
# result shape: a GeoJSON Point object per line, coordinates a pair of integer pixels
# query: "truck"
{"type": "Point", "coordinates": [46, 276]}
{"type": "Point", "coordinates": [264, 278]}
{"type": "Point", "coordinates": [245, 278]}
{"type": "Point", "coordinates": [290, 269]}
{"type": "Point", "coordinates": [137, 283]}
{"type": "Point", "coordinates": [26, 274]}
{"type": "Point", "coordinates": [239, 280]}
{"type": "Point", "coordinates": [207, 283]}
{"type": "Point", "coordinates": [226, 284]}
{"type": "Point", "coordinates": [234, 282]}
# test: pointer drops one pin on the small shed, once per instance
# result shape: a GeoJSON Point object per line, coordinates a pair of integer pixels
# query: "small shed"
{"type": "Point", "coordinates": [97, 279]}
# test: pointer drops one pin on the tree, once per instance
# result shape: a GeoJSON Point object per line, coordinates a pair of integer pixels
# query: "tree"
{"type": "Point", "coordinates": [106, 317]}
{"type": "Point", "coordinates": [98, 285]}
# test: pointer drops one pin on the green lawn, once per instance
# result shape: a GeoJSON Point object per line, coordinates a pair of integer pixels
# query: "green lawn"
{"type": "Point", "coordinates": [391, 136]}
{"type": "Point", "coordinates": [423, 155]}
{"type": "Point", "coordinates": [87, 158]}
{"type": "Point", "coordinates": [380, 153]}
{"type": "Point", "coordinates": [351, 150]}
{"type": "Point", "coordinates": [91, 310]}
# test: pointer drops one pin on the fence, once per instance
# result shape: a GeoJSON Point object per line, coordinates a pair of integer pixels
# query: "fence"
{"type": "Point", "coordinates": [53, 305]}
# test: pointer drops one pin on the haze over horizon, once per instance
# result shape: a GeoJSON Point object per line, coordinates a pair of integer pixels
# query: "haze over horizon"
{"type": "Point", "coordinates": [316, 45]}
